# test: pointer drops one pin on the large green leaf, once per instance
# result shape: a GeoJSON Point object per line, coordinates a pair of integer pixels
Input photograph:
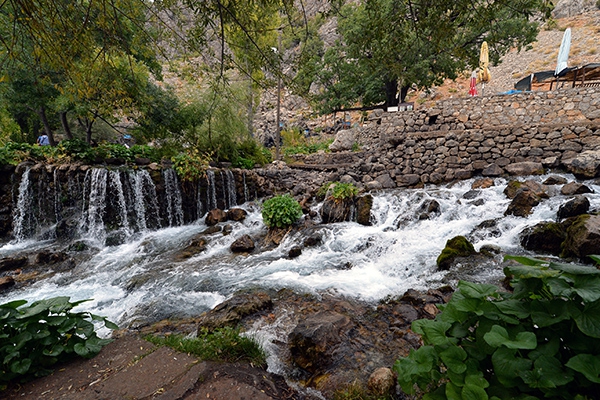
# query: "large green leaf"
{"type": "Point", "coordinates": [473, 392]}
{"type": "Point", "coordinates": [588, 287]}
{"type": "Point", "coordinates": [588, 321]}
{"type": "Point", "coordinates": [498, 336]}
{"type": "Point", "coordinates": [524, 272]}
{"type": "Point", "coordinates": [527, 260]}
{"type": "Point", "coordinates": [549, 312]}
{"type": "Point", "coordinates": [509, 368]}
{"type": "Point", "coordinates": [20, 366]}
{"type": "Point", "coordinates": [512, 307]}
{"type": "Point", "coordinates": [575, 269]}
{"type": "Point", "coordinates": [476, 290]}
{"type": "Point", "coordinates": [586, 364]}
{"type": "Point", "coordinates": [454, 357]}
{"type": "Point", "coordinates": [547, 373]}
{"type": "Point", "coordinates": [433, 331]}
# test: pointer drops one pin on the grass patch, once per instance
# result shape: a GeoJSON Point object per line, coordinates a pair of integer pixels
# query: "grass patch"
{"type": "Point", "coordinates": [225, 344]}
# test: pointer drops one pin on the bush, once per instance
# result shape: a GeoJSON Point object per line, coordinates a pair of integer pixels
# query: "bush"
{"type": "Point", "coordinates": [191, 165]}
{"type": "Point", "coordinates": [35, 337]}
{"type": "Point", "coordinates": [281, 211]}
{"type": "Point", "coordinates": [223, 344]}
{"type": "Point", "coordinates": [338, 191]}
{"type": "Point", "coordinates": [540, 341]}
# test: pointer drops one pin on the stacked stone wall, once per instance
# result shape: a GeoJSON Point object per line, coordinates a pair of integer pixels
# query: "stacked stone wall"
{"type": "Point", "coordinates": [460, 138]}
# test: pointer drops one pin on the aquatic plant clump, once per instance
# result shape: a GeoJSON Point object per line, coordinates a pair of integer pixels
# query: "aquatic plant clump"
{"type": "Point", "coordinates": [281, 211]}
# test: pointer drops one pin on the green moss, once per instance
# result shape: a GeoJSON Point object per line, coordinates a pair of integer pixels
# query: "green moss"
{"type": "Point", "coordinates": [458, 246]}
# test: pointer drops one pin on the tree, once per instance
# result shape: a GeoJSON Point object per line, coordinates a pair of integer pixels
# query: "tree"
{"type": "Point", "coordinates": [387, 45]}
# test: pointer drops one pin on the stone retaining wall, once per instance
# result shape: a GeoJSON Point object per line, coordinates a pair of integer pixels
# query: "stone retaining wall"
{"type": "Point", "coordinates": [459, 138]}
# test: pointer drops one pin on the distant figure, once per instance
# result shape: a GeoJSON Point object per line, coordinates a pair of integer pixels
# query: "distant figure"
{"type": "Point", "coordinates": [43, 140]}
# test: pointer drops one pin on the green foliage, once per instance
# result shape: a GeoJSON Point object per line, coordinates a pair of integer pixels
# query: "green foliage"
{"type": "Point", "coordinates": [294, 142]}
{"type": "Point", "coordinates": [540, 341]}
{"type": "Point", "coordinates": [190, 165]}
{"type": "Point", "coordinates": [224, 344]}
{"type": "Point", "coordinates": [357, 391]}
{"type": "Point", "coordinates": [337, 190]}
{"type": "Point", "coordinates": [458, 246]}
{"type": "Point", "coordinates": [33, 338]}
{"type": "Point", "coordinates": [386, 45]}
{"type": "Point", "coordinates": [281, 211]}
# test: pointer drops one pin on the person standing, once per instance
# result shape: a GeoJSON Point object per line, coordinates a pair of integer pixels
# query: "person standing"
{"type": "Point", "coordinates": [43, 140]}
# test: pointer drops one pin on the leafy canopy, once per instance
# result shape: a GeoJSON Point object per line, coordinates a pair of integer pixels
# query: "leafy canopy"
{"type": "Point", "coordinates": [386, 44]}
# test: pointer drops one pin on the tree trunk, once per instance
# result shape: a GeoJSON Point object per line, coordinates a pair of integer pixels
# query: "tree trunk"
{"type": "Point", "coordinates": [403, 93]}
{"type": "Point", "coordinates": [86, 124]}
{"type": "Point", "coordinates": [42, 114]}
{"type": "Point", "coordinates": [65, 124]}
{"type": "Point", "coordinates": [391, 93]}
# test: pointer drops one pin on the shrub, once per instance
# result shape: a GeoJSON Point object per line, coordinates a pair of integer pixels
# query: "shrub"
{"type": "Point", "coordinates": [191, 165]}
{"type": "Point", "coordinates": [281, 211]}
{"type": "Point", "coordinates": [541, 340]}
{"type": "Point", "coordinates": [223, 344]}
{"type": "Point", "coordinates": [35, 337]}
{"type": "Point", "coordinates": [338, 191]}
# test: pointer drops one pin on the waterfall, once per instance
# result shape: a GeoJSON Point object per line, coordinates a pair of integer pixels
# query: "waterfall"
{"type": "Point", "coordinates": [57, 195]}
{"type": "Point", "coordinates": [173, 198]}
{"type": "Point", "coordinates": [24, 221]}
{"type": "Point", "coordinates": [229, 189]}
{"type": "Point", "coordinates": [94, 204]}
{"type": "Point", "coordinates": [246, 196]}
{"type": "Point", "coordinates": [211, 191]}
{"type": "Point", "coordinates": [144, 200]}
{"type": "Point", "coordinates": [119, 204]}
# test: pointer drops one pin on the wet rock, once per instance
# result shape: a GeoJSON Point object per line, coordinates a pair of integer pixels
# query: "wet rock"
{"type": "Point", "coordinates": [555, 180]}
{"type": "Point", "coordinates": [116, 238]}
{"type": "Point", "coordinates": [6, 282]}
{"type": "Point", "coordinates": [215, 216]}
{"type": "Point", "coordinates": [345, 266]}
{"type": "Point", "coordinates": [573, 188]}
{"type": "Point", "coordinates": [373, 185]}
{"type": "Point", "coordinates": [9, 264]}
{"type": "Point", "coordinates": [513, 187]}
{"type": "Point", "coordinates": [363, 209]}
{"type": "Point", "coordinates": [574, 207]}
{"type": "Point", "coordinates": [583, 237]}
{"type": "Point", "coordinates": [545, 237]}
{"type": "Point", "coordinates": [232, 311]}
{"type": "Point", "coordinates": [429, 209]}
{"type": "Point", "coordinates": [456, 247]}
{"type": "Point", "coordinates": [334, 210]}
{"type": "Point", "coordinates": [471, 194]}
{"type": "Point", "coordinates": [492, 170]}
{"type": "Point", "coordinates": [313, 240]}
{"type": "Point", "coordinates": [313, 341]}
{"type": "Point", "coordinates": [227, 229]}
{"type": "Point", "coordinates": [382, 381]}
{"type": "Point", "coordinates": [49, 257]}
{"type": "Point", "coordinates": [212, 229]}
{"type": "Point", "coordinates": [78, 246]}
{"type": "Point", "coordinates": [294, 252]}
{"type": "Point", "coordinates": [197, 245]}
{"type": "Point", "coordinates": [523, 203]}
{"type": "Point", "coordinates": [584, 165]}
{"type": "Point", "coordinates": [482, 183]}
{"type": "Point", "coordinates": [236, 214]}
{"type": "Point", "coordinates": [244, 244]}
{"type": "Point", "coordinates": [525, 168]}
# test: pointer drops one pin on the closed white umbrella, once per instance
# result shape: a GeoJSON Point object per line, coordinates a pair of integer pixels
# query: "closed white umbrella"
{"type": "Point", "coordinates": [563, 52]}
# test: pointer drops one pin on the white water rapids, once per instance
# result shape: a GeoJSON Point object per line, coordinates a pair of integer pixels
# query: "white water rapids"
{"type": "Point", "coordinates": [141, 281]}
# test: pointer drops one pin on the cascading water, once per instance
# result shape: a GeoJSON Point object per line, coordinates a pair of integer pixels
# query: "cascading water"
{"type": "Point", "coordinates": [211, 190]}
{"type": "Point", "coordinates": [94, 204]}
{"type": "Point", "coordinates": [23, 219]}
{"type": "Point", "coordinates": [142, 280]}
{"type": "Point", "coordinates": [230, 189]}
{"type": "Point", "coordinates": [145, 200]}
{"type": "Point", "coordinates": [173, 198]}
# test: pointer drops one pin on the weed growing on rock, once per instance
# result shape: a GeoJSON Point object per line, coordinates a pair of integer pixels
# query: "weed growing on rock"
{"type": "Point", "coordinates": [281, 211]}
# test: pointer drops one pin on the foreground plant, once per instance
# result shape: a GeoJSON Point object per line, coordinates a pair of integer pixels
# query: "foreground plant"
{"type": "Point", "coordinates": [225, 344]}
{"type": "Point", "coordinates": [33, 338]}
{"type": "Point", "coordinates": [540, 341]}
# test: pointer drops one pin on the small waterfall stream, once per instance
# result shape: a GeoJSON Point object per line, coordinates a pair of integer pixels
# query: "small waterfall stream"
{"type": "Point", "coordinates": [141, 279]}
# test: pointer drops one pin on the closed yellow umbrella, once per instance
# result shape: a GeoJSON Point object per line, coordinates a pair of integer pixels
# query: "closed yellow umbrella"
{"type": "Point", "coordinates": [484, 62]}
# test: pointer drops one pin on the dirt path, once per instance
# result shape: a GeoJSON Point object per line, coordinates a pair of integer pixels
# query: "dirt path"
{"type": "Point", "coordinates": [132, 368]}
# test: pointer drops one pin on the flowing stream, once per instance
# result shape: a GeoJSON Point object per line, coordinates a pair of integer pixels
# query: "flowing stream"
{"type": "Point", "coordinates": [143, 280]}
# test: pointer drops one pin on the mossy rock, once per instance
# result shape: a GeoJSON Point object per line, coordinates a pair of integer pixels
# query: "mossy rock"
{"type": "Point", "coordinates": [545, 237]}
{"type": "Point", "coordinates": [458, 246]}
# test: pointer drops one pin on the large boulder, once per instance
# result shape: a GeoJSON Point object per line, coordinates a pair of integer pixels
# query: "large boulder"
{"type": "Point", "coordinates": [236, 214]}
{"type": "Point", "coordinates": [334, 210]}
{"type": "Point", "coordinates": [363, 209]}
{"type": "Point", "coordinates": [585, 165]}
{"type": "Point", "coordinates": [344, 140]}
{"type": "Point", "coordinates": [244, 244]}
{"type": "Point", "coordinates": [10, 264]}
{"type": "Point", "coordinates": [573, 188]}
{"type": "Point", "coordinates": [232, 311]}
{"type": "Point", "coordinates": [512, 188]}
{"type": "Point", "coordinates": [525, 168]}
{"type": "Point", "coordinates": [545, 237]}
{"type": "Point", "coordinates": [574, 207]}
{"type": "Point", "coordinates": [523, 203]}
{"type": "Point", "coordinates": [456, 247]}
{"type": "Point", "coordinates": [313, 342]}
{"type": "Point", "coordinates": [583, 237]}
{"type": "Point", "coordinates": [215, 216]}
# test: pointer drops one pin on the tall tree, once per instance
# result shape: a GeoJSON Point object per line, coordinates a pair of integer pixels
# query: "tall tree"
{"type": "Point", "coordinates": [387, 46]}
